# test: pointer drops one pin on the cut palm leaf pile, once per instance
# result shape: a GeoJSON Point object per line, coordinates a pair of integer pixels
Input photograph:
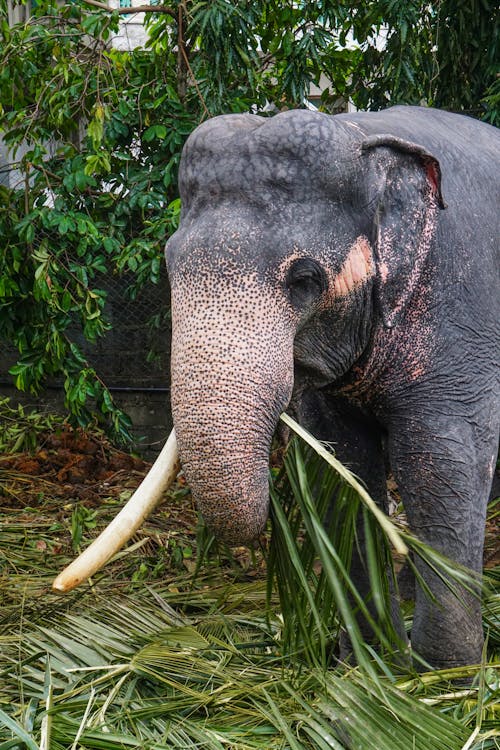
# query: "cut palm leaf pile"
{"type": "Point", "coordinates": [146, 656]}
{"type": "Point", "coordinates": [134, 673]}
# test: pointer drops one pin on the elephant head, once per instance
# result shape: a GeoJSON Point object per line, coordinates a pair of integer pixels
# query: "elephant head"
{"type": "Point", "coordinates": [300, 237]}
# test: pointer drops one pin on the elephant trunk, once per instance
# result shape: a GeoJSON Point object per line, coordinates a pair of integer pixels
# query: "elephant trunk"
{"type": "Point", "coordinates": [228, 390]}
{"type": "Point", "coordinates": [224, 451]}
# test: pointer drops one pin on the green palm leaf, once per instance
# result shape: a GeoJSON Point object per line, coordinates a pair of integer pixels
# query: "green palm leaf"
{"type": "Point", "coordinates": [311, 553]}
{"type": "Point", "coordinates": [211, 683]}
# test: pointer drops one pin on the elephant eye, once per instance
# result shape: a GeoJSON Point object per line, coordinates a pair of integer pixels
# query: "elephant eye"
{"type": "Point", "coordinates": [305, 281]}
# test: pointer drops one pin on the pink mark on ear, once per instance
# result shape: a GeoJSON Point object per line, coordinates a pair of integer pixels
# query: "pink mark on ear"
{"type": "Point", "coordinates": [432, 175]}
{"type": "Point", "coordinates": [356, 269]}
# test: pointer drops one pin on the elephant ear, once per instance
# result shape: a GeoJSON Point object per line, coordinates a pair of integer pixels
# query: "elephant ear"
{"type": "Point", "coordinates": [408, 198]}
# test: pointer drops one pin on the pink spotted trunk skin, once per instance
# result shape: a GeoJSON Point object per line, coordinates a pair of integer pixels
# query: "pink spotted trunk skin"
{"type": "Point", "coordinates": [232, 375]}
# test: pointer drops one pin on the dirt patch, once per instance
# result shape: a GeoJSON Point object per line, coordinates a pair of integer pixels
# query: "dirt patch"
{"type": "Point", "coordinates": [69, 463]}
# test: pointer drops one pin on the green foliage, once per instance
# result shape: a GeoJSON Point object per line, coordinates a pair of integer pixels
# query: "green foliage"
{"type": "Point", "coordinates": [20, 430]}
{"type": "Point", "coordinates": [310, 556]}
{"type": "Point", "coordinates": [310, 560]}
{"type": "Point", "coordinates": [95, 134]}
{"type": "Point", "coordinates": [122, 675]}
{"type": "Point", "coordinates": [438, 54]}
{"type": "Point", "coordinates": [82, 519]}
{"type": "Point", "coordinates": [97, 176]}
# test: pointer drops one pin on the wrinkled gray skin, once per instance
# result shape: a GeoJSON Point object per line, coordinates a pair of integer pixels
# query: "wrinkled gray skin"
{"type": "Point", "coordinates": [316, 268]}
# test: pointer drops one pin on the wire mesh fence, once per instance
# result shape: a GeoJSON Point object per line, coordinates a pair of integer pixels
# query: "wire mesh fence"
{"type": "Point", "coordinates": [132, 358]}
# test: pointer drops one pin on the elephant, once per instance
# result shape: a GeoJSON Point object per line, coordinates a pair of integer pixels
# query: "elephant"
{"type": "Point", "coordinates": [344, 268]}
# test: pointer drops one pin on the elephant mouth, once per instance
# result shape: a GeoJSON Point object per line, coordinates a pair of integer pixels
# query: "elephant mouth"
{"type": "Point", "coordinates": [234, 506]}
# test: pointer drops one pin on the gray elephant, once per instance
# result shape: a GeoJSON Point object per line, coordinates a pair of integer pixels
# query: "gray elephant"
{"type": "Point", "coordinates": [317, 267]}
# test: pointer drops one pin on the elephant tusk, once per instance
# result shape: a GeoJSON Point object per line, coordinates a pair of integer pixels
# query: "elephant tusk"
{"type": "Point", "coordinates": [129, 519]}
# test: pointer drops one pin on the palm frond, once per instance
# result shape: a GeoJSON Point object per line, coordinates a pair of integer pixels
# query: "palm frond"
{"type": "Point", "coordinates": [221, 663]}
{"type": "Point", "coordinates": [217, 681]}
{"type": "Point", "coordinates": [316, 504]}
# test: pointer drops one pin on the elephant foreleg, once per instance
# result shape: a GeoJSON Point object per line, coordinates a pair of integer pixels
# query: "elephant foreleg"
{"type": "Point", "coordinates": [443, 475]}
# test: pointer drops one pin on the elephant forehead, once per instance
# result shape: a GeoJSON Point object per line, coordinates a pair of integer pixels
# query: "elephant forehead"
{"type": "Point", "coordinates": [259, 178]}
{"type": "Point", "coordinates": [297, 154]}
{"type": "Point", "coordinates": [293, 134]}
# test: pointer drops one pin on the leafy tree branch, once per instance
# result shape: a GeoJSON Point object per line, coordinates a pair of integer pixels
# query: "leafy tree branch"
{"type": "Point", "coordinates": [95, 134]}
{"type": "Point", "coordinates": [133, 9]}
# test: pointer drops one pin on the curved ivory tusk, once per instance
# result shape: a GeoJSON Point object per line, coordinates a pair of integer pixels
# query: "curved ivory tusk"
{"type": "Point", "coordinates": [129, 519]}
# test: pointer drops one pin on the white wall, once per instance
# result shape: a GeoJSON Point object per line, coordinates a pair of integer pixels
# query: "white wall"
{"type": "Point", "coordinates": [131, 33]}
